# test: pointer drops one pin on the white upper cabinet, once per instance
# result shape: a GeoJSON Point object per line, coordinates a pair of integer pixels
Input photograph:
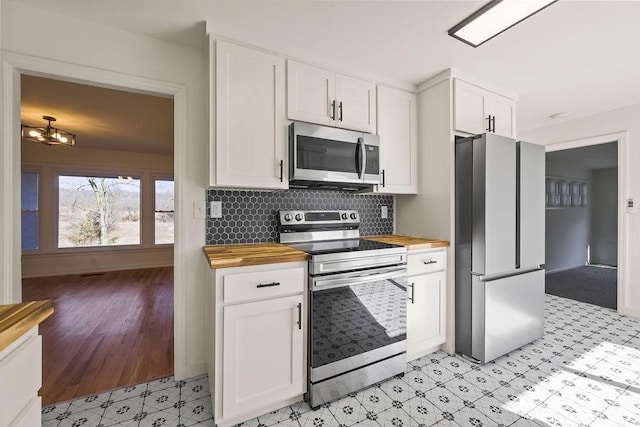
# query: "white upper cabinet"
{"type": "Point", "coordinates": [311, 94]}
{"type": "Point", "coordinates": [477, 110]}
{"type": "Point", "coordinates": [248, 134]}
{"type": "Point", "coordinates": [469, 104]}
{"type": "Point", "coordinates": [324, 97]}
{"type": "Point", "coordinates": [356, 104]}
{"type": "Point", "coordinates": [503, 112]}
{"type": "Point", "coordinates": [398, 129]}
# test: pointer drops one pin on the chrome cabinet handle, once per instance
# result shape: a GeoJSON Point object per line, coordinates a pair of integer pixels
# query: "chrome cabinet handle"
{"type": "Point", "coordinates": [268, 285]}
{"type": "Point", "coordinates": [333, 109]}
{"type": "Point", "coordinates": [493, 127]}
{"type": "Point", "coordinates": [383, 179]}
{"type": "Point", "coordinates": [340, 108]}
{"type": "Point", "coordinates": [299, 322]}
{"type": "Point", "coordinates": [413, 290]}
{"type": "Point", "coordinates": [488, 129]}
{"type": "Point", "coordinates": [281, 170]}
{"type": "Point", "coordinates": [429, 261]}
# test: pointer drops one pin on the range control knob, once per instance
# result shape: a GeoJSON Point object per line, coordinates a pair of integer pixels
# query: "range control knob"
{"type": "Point", "coordinates": [353, 215]}
{"type": "Point", "coordinates": [344, 215]}
{"type": "Point", "coordinates": [298, 217]}
{"type": "Point", "coordinates": [287, 217]}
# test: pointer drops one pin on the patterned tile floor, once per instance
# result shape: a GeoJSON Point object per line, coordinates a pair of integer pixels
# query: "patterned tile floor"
{"type": "Point", "coordinates": [585, 371]}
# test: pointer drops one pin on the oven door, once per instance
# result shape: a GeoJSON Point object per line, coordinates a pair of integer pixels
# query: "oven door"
{"type": "Point", "coordinates": [325, 154]}
{"type": "Point", "coordinates": [356, 319]}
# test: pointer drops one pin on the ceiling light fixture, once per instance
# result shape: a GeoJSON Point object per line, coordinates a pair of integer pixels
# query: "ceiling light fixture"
{"type": "Point", "coordinates": [494, 18]}
{"type": "Point", "coordinates": [48, 135]}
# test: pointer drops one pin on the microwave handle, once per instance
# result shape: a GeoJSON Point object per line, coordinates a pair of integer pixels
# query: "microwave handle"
{"type": "Point", "coordinates": [359, 153]}
{"type": "Point", "coordinates": [362, 157]}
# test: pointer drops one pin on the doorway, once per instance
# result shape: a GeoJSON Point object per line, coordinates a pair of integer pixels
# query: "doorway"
{"type": "Point", "coordinates": [582, 223]}
{"type": "Point", "coordinates": [98, 234]}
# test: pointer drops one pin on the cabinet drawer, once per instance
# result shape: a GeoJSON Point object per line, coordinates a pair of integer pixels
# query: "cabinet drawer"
{"type": "Point", "coordinates": [263, 284]}
{"type": "Point", "coordinates": [426, 262]}
{"type": "Point", "coordinates": [21, 378]}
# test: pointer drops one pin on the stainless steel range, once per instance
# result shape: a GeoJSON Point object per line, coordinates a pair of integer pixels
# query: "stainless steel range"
{"type": "Point", "coordinates": [357, 300]}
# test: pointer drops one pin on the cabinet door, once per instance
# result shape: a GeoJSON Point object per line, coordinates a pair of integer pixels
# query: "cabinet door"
{"type": "Point", "coordinates": [356, 107]}
{"type": "Point", "coordinates": [470, 114]}
{"type": "Point", "coordinates": [311, 94]}
{"type": "Point", "coordinates": [426, 313]}
{"type": "Point", "coordinates": [250, 127]}
{"type": "Point", "coordinates": [263, 354]}
{"type": "Point", "coordinates": [504, 111]}
{"type": "Point", "coordinates": [398, 129]}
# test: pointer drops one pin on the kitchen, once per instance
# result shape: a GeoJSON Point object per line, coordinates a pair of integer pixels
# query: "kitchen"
{"type": "Point", "coordinates": [190, 348]}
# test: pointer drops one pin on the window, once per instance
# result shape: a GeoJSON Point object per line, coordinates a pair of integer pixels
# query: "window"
{"type": "Point", "coordinates": [164, 211]}
{"type": "Point", "coordinates": [98, 211]}
{"type": "Point", "coordinates": [29, 206]}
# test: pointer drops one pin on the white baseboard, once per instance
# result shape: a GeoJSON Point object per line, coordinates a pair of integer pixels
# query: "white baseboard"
{"type": "Point", "coordinates": [190, 371]}
{"type": "Point", "coordinates": [634, 312]}
{"type": "Point", "coordinates": [60, 264]}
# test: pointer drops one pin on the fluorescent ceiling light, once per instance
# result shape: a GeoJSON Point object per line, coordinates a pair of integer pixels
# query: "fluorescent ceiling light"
{"type": "Point", "coordinates": [494, 18]}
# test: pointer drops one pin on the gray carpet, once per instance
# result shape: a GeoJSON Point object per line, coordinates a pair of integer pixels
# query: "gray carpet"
{"type": "Point", "coordinates": [593, 285]}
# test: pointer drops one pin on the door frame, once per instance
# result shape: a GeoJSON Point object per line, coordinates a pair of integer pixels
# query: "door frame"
{"type": "Point", "coordinates": [13, 66]}
{"type": "Point", "coordinates": [623, 167]}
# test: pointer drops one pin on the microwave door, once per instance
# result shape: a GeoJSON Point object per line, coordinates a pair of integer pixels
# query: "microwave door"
{"type": "Point", "coordinates": [324, 154]}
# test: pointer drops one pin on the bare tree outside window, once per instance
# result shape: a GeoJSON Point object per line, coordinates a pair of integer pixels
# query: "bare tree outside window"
{"type": "Point", "coordinates": [98, 211]}
{"type": "Point", "coordinates": [164, 211]}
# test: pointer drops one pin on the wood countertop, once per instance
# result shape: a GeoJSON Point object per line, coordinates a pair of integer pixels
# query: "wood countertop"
{"type": "Point", "coordinates": [17, 319]}
{"type": "Point", "coordinates": [225, 256]}
{"type": "Point", "coordinates": [411, 243]}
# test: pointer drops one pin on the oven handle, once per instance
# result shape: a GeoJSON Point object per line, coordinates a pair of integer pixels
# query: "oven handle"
{"type": "Point", "coordinates": [347, 279]}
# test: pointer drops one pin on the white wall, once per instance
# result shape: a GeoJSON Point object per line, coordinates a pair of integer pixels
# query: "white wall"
{"type": "Point", "coordinates": [49, 162]}
{"type": "Point", "coordinates": [30, 31]}
{"type": "Point", "coordinates": [617, 121]}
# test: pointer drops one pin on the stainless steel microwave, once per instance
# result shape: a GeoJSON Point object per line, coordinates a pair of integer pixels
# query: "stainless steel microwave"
{"type": "Point", "coordinates": [322, 156]}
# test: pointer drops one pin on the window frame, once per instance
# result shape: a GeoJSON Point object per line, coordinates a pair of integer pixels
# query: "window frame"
{"type": "Point", "coordinates": [57, 173]}
{"type": "Point", "coordinates": [162, 177]}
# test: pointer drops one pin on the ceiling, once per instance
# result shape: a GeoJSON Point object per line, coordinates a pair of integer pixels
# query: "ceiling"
{"type": "Point", "coordinates": [575, 57]}
{"type": "Point", "coordinates": [101, 118]}
{"type": "Point", "coordinates": [592, 157]}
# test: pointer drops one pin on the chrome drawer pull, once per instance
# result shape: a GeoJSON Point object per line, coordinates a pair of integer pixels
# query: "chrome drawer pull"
{"type": "Point", "coordinates": [430, 261]}
{"type": "Point", "coordinates": [267, 285]}
{"type": "Point", "coordinates": [413, 289]}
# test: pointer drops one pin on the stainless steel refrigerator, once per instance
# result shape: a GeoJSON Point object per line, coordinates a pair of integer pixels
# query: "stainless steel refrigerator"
{"type": "Point", "coordinates": [499, 251]}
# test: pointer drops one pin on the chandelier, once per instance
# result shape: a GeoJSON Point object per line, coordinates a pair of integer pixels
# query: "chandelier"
{"type": "Point", "coordinates": [48, 135]}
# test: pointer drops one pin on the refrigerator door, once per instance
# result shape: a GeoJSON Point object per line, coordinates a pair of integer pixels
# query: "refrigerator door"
{"type": "Point", "coordinates": [531, 158]}
{"type": "Point", "coordinates": [494, 205]}
{"type": "Point", "coordinates": [507, 313]}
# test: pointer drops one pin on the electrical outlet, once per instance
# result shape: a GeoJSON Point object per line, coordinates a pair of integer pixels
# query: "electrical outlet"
{"type": "Point", "coordinates": [384, 212]}
{"type": "Point", "coordinates": [216, 209]}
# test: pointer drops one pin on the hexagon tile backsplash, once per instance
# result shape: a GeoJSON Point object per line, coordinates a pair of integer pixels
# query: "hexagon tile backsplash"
{"type": "Point", "coordinates": [252, 216]}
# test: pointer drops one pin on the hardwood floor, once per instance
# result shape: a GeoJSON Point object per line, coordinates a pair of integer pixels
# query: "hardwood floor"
{"type": "Point", "coordinates": [107, 331]}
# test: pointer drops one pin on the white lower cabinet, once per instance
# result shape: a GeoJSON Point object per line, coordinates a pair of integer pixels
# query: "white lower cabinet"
{"type": "Point", "coordinates": [262, 353]}
{"type": "Point", "coordinates": [259, 349]}
{"type": "Point", "coordinates": [21, 368]}
{"type": "Point", "coordinates": [426, 305]}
